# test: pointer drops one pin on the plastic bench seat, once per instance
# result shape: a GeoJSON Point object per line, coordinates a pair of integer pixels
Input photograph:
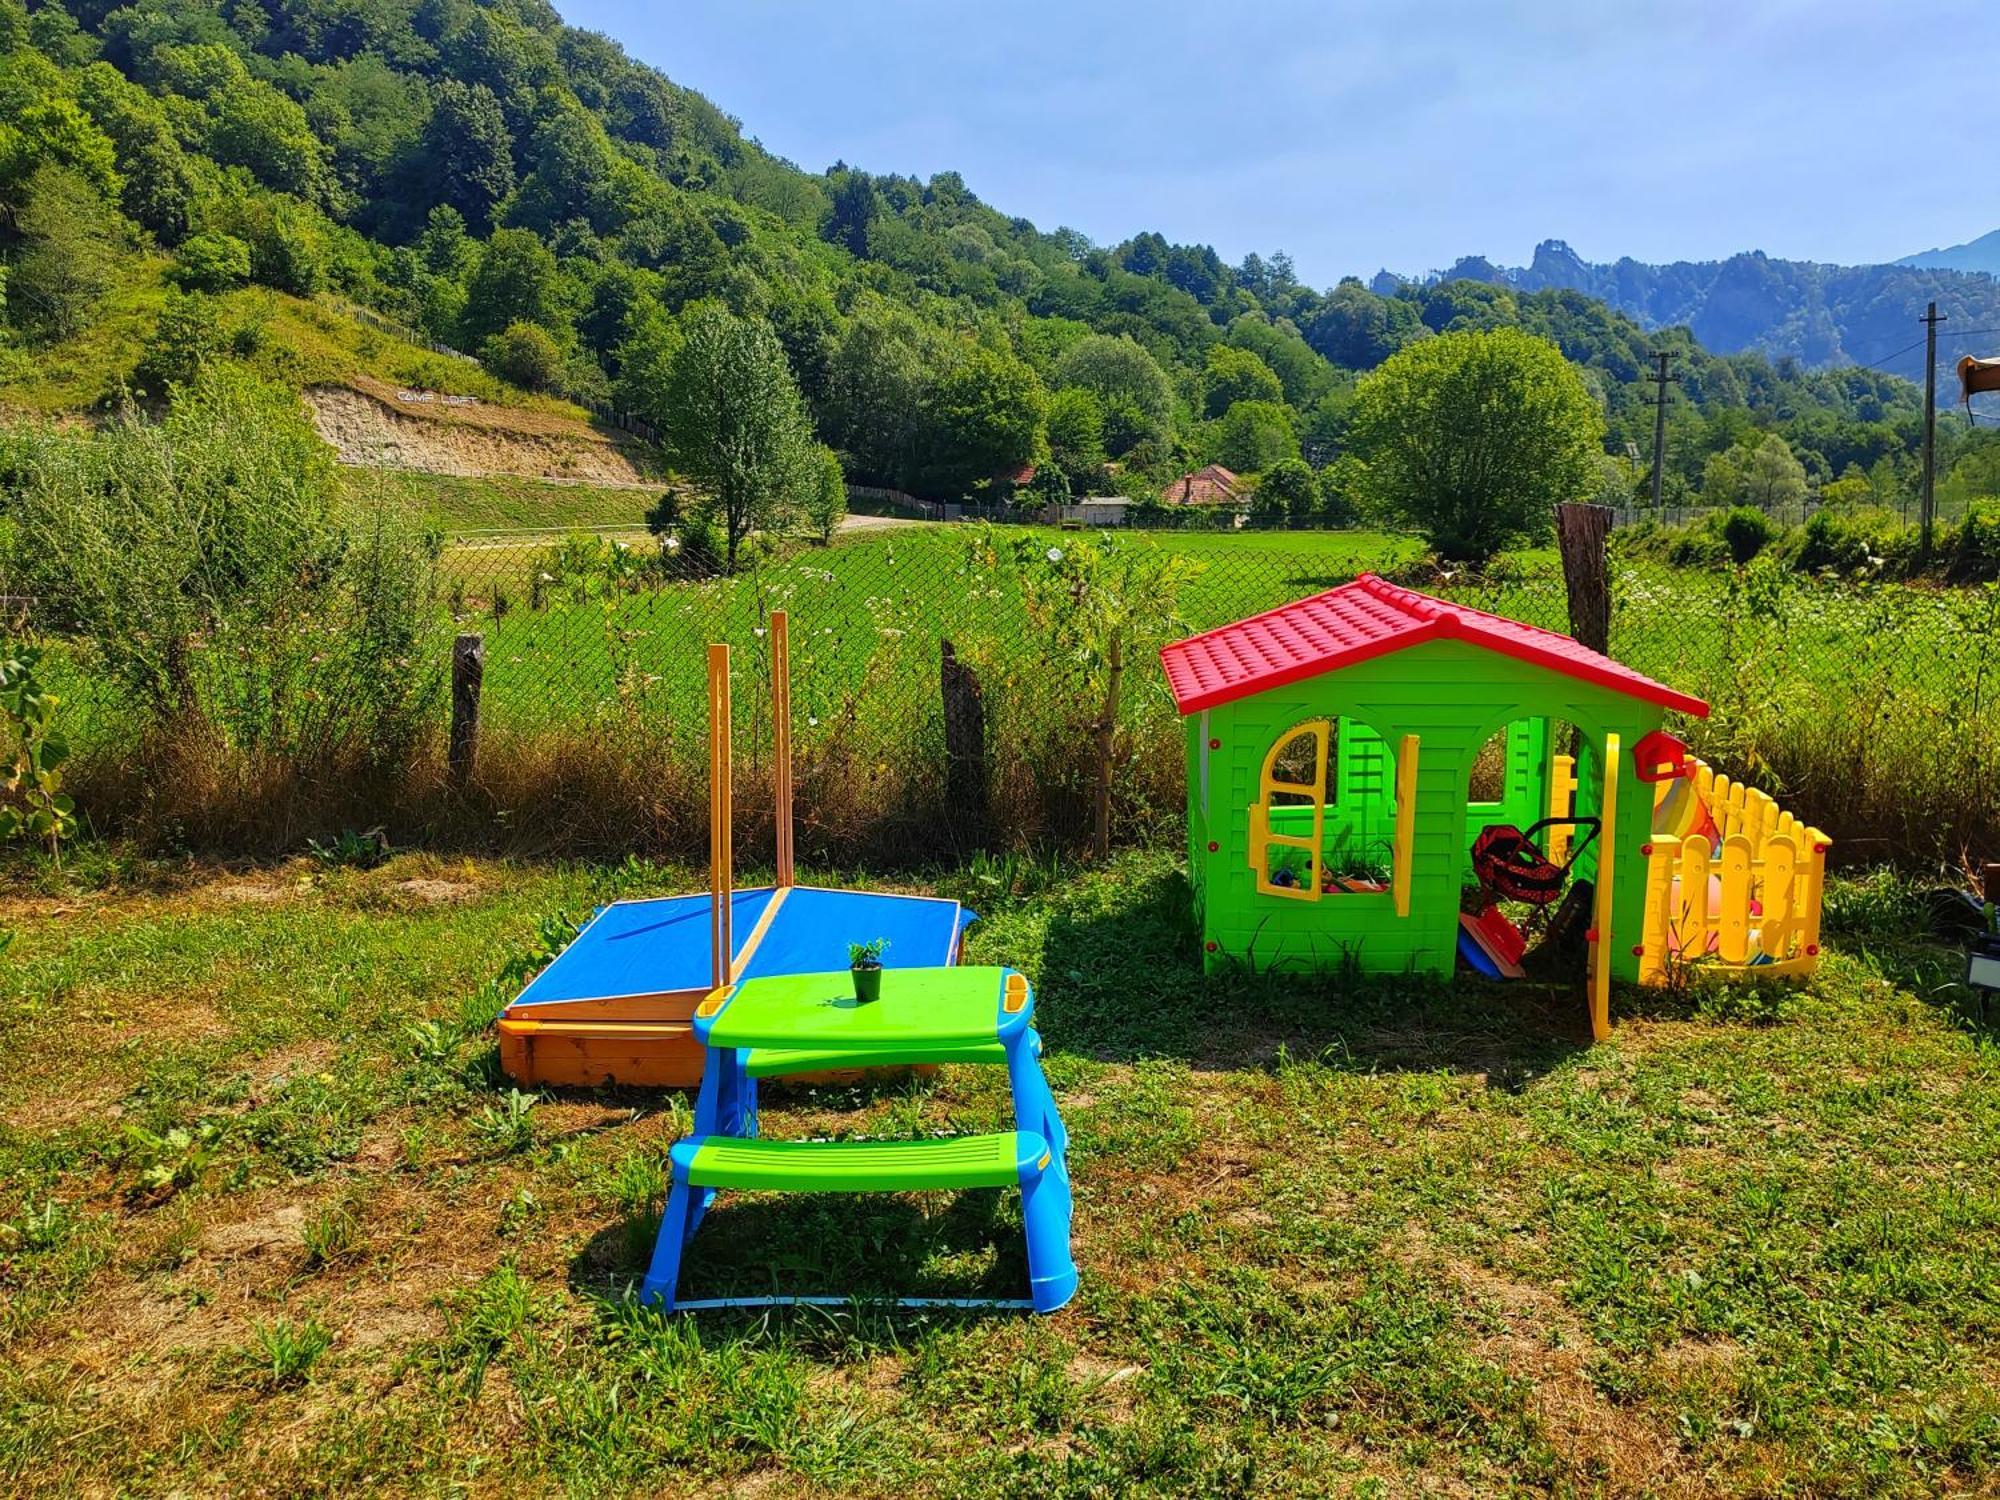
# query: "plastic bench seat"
{"type": "Point", "coordinates": [1004, 1159]}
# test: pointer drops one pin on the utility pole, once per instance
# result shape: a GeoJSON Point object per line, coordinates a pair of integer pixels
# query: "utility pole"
{"type": "Point", "coordinates": [1927, 510]}
{"type": "Point", "coordinates": [1660, 379]}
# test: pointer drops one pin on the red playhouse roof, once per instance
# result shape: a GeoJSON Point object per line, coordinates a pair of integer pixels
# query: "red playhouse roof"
{"type": "Point", "coordinates": [1367, 618]}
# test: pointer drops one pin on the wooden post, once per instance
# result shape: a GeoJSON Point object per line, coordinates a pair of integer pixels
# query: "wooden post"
{"type": "Point", "coordinates": [964, 744]}
{"type": "Point", "coordinates": [1582, 532]}
{"type": "Point", "coordinates": [781, 738]}
{"type": "Point", "coordinates": [468, 676]}
{"type": "Point", "coordinates": [721, 874]}
{"type": "Point", "coordinates": [1107, 730]}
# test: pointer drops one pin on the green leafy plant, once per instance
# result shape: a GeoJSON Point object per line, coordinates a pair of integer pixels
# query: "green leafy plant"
{"type": "Point", "coordinates": [36, 806]}
{"type": "Point", "coordinates": [283, 1352]}
{"type": "Point", "coordinates": [508, 1128]}
{"type": "Point", "coordinates": [351, 851]}
{"type": "Point", "coordinates": [174, 1158]}
{"type": "Point", "coordinates": [867, 955]}
{"type": "Point", "coordinates": [331, 1235]}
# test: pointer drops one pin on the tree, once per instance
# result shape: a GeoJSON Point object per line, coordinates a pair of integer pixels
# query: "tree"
{"type": "Point", "coordinates": [465, 158]}
{"type": "Point", "coordinates": [525, 354]}
{"type": "Point", "coordinates": [1233, 375]}
{"type": "Point", "coordinates": [1076, 435]}
{"type": "Point", "coordinates": [875, 389]}
{"type": "Point", "coordinates": [1290, 492]}
{"type": "Point", "coordinates": [187, 338]}
{"type": "Point", "coordinates": [65, 267]}
{"type": "Point", "coordinates": [982, 418]}
{"type": "Point", "coordinates": [853, 209]}
{"type": "Point", "coordinates": [517, 281]}
{"type": "Point", "coordinates": [1125, 379]}
{"type": "Point", "coordinates": [1256, 435]}
{"type": "Point", "coordinates": [1473, 438]}
{"type": "Point", "coordinates": [826, 500]}
{"type": "Point", "coordinates": [1306, 375]}
{"type": "Point", "coordinates": [1763, 474]}
{"type": "Point", "coordinates": [734, 423]}
{"type": "Point", "coordinates": [1357, 329]}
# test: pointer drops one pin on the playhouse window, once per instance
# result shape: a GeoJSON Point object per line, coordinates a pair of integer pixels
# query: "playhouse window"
{"type": "Point", "coordinates": [1322, 823]}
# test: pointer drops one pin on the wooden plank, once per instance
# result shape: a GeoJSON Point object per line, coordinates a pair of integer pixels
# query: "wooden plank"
{"type": "Point", "coordinates": [721, 871]}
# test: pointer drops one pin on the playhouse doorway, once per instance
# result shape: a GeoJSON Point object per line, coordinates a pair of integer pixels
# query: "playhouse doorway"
{"type": "Point", "coordinates": [1529, 862]}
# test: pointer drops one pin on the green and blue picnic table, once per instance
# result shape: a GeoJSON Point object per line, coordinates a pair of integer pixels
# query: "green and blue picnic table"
{"type": "Point", "coordinates": [796, 1023]}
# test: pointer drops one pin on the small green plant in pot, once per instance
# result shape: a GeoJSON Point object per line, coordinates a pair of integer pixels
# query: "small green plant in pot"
{"type": "Point", "coordinates": [865, 959]}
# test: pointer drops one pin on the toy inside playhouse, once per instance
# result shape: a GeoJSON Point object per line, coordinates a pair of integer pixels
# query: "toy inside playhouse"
{"type": "Point", "coordinates": [1380, 781]}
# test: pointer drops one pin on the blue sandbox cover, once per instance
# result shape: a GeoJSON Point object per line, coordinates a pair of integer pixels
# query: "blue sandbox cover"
{"type": "Point", "coordinates": [655, 947]}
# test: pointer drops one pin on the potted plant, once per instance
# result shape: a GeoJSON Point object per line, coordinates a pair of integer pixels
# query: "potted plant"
{"type": "Point", "coordinates": [865, 959]}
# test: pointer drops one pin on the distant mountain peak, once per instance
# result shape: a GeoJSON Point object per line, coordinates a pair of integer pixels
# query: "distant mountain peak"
{"type": "Point", "coordinates": [1819, 314]}
{"type": "Point", "coordinates": [1980, 256]}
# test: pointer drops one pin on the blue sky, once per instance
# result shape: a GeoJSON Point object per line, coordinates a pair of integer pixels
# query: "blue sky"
{"type": "Point", "coordinates": [1355, 136]}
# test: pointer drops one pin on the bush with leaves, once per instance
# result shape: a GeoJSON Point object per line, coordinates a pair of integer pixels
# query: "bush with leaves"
{"type": "Point", "coordinates": [35, 805]}
{"type": "Point", "coordinates": [1745, 531]}
{"type": "Point", "coordinates": [208, 563]}
{"type": "Point", "coordinates": [526, 355]}
{"type": "Point", "coordinates": [211, 262]}
{"type": "Point", "coordinates": [187, 338]}
{"type": "Point", "coordinates": [689, 545]}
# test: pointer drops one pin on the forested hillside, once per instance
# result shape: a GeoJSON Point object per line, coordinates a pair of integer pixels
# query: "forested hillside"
{"type": "Point", "coordinates": [1820, 315]}
{"type": "Point", "coordinates": [187, 180]}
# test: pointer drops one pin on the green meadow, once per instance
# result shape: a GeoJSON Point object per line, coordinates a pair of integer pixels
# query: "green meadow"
{"type": "Point", "coordinates": [269, 1222]}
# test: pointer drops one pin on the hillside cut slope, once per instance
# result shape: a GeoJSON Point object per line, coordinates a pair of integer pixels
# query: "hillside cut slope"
{"type": "Point", "coordinates": [374, 425]}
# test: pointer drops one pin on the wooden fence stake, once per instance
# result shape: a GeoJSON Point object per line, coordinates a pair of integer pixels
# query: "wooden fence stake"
{"type": "Point", "coordinates": [964, 744]}
{"type": "Point", "coordinates": [1582, 531]}
{"type": "Point", "coordinates": [468, 676]}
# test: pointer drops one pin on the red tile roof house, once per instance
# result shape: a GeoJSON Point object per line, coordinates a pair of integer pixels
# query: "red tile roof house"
{"type": "Point", "coordinates": [1213, 485]}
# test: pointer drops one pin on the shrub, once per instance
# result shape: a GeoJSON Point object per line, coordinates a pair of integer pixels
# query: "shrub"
{"type": "Point", "coordinates": [187, 338]}
{"type": "Point", "coordinates": [211, 262]}
{"type": "Point", "coordinates": [1697, 547]}
{"type": "Point", "coordinates": [1972, 554]}
{"type": "Point", "coordinates": [1745, 531]}
{"type": "Point", "coordinates": [203, 562]}
{"type": "Point", "coordinates": [525, 355]}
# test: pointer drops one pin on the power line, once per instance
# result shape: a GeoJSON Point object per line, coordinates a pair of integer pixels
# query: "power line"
{"type": "Point", "coordinates": [1885, 359]}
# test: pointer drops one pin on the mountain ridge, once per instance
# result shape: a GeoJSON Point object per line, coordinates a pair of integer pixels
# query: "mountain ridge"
{"type": "Point", "coordinates": [1821, 314]}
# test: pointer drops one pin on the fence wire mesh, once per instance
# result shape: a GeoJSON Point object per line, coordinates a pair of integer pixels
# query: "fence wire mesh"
{"type": "Point", "coordinates": [1869, 708]}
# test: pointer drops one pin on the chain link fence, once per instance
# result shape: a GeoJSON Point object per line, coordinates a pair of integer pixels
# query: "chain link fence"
{"type": "Point", "coordinates": [1868, 708]}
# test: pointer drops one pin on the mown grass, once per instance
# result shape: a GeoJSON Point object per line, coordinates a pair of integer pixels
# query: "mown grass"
{"type": "Point", "coordinates": [454, 504]}
{"type": "Point", "coordinates": [1334, 1240]}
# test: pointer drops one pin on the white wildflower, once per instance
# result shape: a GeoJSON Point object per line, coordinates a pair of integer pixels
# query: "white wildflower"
{"type": "Point", "coordinates": [1055, 554]}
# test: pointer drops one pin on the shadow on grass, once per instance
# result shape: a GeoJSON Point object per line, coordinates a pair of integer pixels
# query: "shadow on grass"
{"type": "Point", "coordinates": [870, 1247]}
{"type": "Point", "coordinates": [1122, 980]}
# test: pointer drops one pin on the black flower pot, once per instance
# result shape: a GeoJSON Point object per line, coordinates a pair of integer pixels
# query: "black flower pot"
{"type": "Point", "coordinates": [868, 984]}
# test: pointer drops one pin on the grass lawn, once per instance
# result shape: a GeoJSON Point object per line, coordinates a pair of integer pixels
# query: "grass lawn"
{"type": "Point", "coordinates": [454, 505]}
{"type": "Point", "coordinates": [268, 1223]}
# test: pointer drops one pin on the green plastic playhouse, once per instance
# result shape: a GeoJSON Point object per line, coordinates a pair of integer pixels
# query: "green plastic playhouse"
{"type": "Point", "coordinates": [1331, 749]}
